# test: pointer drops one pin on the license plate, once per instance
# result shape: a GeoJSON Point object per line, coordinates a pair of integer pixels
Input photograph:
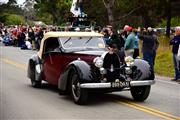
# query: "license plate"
{"type": "Point", "coordinates": [120, 84]}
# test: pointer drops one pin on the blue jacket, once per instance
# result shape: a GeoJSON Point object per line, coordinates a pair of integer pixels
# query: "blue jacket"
{"type": "Point", "coordinates": [175, 42]}
{"type": "Point", "coordinates": [136, 42]}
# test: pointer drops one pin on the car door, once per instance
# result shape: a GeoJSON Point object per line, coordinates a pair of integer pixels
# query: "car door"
{"type": "Point", "coordinates": [52, 61]}
{"type": "Point", "coordinates": [53, 66]}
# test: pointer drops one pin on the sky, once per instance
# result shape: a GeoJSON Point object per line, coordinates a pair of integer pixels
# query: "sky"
{"type": "Point", "coordinates": [18, 1]}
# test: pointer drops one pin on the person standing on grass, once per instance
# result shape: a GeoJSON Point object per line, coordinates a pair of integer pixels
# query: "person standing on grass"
{"type": "Point", "coordinates": [148, 48]}
{"type": "Point", "coordinates": [136, 44]}
{"type": "Point", "coordinates": [129, 42]}
{"type": "Point", "coordinates": [175, 46]}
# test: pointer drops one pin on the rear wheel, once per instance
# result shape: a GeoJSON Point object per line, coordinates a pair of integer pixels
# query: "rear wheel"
{"type": "Point", "coordinates": [79, 95]}
{"type": "Point", "coordinates": [140, 93]}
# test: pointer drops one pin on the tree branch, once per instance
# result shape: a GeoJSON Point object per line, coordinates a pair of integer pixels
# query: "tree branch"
{"type": "Point", "coordinates": [120, 18]}
{"type": "Point", "coordinates": [104, 3]}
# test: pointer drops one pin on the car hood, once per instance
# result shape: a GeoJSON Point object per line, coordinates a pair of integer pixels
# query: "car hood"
{"type": "Point", "coordinates": [90, 52]}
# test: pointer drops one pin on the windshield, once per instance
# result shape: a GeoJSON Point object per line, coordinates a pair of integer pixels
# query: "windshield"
{"type": "Point", "coordinates": [82, 43]}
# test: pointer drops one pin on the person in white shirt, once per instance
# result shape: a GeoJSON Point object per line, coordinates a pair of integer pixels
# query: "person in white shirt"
{"type": "Point", "coordinates": [28, 45]}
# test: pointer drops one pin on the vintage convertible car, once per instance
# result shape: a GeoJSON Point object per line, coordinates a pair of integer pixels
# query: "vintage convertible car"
{"type": "Point", "coordinates": [79, 63]}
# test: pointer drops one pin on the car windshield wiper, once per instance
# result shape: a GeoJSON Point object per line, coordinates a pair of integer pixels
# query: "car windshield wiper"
{"type": "Point", "coordinates": [67, 40]}
{"type": "Point", "coordinates": [88, 40]}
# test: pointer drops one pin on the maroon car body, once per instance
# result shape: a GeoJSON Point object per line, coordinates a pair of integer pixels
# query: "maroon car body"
{"type": "Point", "coordinates": [74, 62]}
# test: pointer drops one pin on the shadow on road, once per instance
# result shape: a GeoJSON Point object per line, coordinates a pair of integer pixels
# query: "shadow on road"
{"type": "Point", "coordinates": [93, 99]}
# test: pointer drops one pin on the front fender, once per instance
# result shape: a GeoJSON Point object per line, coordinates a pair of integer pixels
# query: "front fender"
{"type": "Point", "coordinates": [33, 64]}
{"type": "Point", "coordinates": [83, 70]}
{"type": "Point", "coordinates": [144, 69]}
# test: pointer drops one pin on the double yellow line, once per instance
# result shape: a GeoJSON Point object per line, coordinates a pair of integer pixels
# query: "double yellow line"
{"type": "Point", "coordinates": [123, 102]}
{"type": "Point", "coordinates": [148, 110]}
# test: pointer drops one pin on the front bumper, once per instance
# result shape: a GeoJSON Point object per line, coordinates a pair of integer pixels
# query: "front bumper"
{"type": "Point", "coordinates": [108, 85]}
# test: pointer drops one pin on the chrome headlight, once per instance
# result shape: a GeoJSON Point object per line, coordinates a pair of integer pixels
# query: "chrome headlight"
{"type": "Point", "coordinates": [98, 62]}
{"type": "Point", "coordinates": [129, 61]}
{"type": "Point", "coordinates": [103, 71]}
{"type": "Point", "coordinates": [128, 70]}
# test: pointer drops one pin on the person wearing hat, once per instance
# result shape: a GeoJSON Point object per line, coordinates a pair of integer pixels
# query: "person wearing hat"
{"type": "Point", "coordinates": [175, 46]}
{"type": "Point", "coordinates": [129, 42]}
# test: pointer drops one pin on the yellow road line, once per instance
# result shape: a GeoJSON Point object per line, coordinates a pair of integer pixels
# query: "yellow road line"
{"type": "Point", "coordinates": [123, 102]}
{"type": "Point", "coordinates": [18, 65]}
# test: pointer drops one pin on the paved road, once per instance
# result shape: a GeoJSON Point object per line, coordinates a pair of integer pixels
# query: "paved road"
{"type": "Point", "coordinates": [18, 100]}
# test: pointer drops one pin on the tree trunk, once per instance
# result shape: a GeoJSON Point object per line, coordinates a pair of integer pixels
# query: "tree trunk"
{"type": "Point", "coordinates": [110, 15]}
{"type": "Point", "coordinates": [145, 17]}
{"type": "Point", "coordinates": [109, 5]}
{"type": "Point", "coordinates": [168, 13]}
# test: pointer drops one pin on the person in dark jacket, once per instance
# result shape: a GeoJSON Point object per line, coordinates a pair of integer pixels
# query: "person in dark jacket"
{"type": "Point", "coordinates": [113, 38]}
{"type": "Point", "coordinates": [31, 36]}
{"type": "Point", "coordinates": [175, 46]}
{"type": "Point", "coordinates": [39, 37]}
{"type": "Point", "coordinates": [112, 61]}
{"type": "Point", "coordinates": [148, 48]}
{"type": "Point", "coordinates": [21, 37]}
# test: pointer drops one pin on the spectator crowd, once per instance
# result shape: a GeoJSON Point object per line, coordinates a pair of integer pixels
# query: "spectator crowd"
{"type": "Point", "coordinates": [126, 41]}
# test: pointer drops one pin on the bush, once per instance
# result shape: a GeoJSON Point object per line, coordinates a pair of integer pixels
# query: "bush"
{"type": "Point", "coordinates": [175, 21]}
{"type": "Point", "coordinates": [12, 19]}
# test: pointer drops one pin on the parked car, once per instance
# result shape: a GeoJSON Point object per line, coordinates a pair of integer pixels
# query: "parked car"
{"type": "Point", "coordinates": [77, 62]}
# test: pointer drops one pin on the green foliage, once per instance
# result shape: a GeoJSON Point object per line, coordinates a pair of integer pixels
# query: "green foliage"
{"type": "Point", "coordinates": [58, 9]}
{"type": "Point", "coordinates": [175, 21]}
{"type": "Point", "coordinates": [11, 9]}
{"type": "Point", "coordinates": [96, 10]}
{"type": "Point", "coordinates": [13, 19]}
{"type": "Point", "coordinates": [45, 17]}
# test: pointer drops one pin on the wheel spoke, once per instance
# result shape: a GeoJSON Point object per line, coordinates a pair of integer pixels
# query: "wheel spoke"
{"type": "Point", "coordinates": [73, 87]}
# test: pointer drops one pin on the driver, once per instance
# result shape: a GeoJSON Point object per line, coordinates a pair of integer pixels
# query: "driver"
{"type": "Point", "coordinates": [111, 62]}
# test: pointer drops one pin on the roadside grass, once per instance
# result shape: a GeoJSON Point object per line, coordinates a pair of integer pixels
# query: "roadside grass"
{"type": "Point", "coordinates": [164, 62]}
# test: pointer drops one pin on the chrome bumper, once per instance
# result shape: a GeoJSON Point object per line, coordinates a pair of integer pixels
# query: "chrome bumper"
{"type": "Point", "coordinates": [108, 85]}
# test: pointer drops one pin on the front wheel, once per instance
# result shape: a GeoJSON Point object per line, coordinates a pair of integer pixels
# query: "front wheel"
{"type": "Point", "coordinates": [140, 93]}
{"type": "Point", "coordinates": [34, 82]}
{"type": "Point", "coordinates": [79, 95]}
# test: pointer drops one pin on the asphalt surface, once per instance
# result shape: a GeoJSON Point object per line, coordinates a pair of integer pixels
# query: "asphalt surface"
{"type": "Point", "coordinates": [20, 101]}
